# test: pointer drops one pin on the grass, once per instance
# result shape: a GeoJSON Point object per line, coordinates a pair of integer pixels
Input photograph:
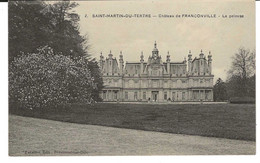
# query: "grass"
{"type": "Point", "coordinates": [233, 121]}
{"type": "Point", "coordinates": [38, 137]}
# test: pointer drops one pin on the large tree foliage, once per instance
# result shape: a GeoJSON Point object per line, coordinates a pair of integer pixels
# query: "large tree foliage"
{"type": "Point", "coordinates": [241, 80]}
{"type": "Point", "coordinates": [243, 64]}
{"type": "Point", "coordinates": [220, 90]}
{"type": "Point", "coordinates": [34, 24]}
{"type": "Point", "coordinates": [46, 79]}
{"type": "Point", "coordinates": [64, 29]}
{"type": "Point", "coordinates": [97, 79]}
{"type": "Point", "coordinates": [240, 85]}
{"type": "Point", "coordinates": [28, 27]}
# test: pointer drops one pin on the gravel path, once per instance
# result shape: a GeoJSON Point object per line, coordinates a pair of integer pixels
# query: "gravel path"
{"type": "Point", "coordinates": [30, 136]}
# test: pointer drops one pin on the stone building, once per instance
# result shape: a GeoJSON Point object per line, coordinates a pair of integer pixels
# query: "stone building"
{"type": "Point", "coordinates": [156, 80]}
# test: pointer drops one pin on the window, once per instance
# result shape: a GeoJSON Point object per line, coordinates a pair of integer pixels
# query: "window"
{"type": "Point", "coordinates": [115, 95]}
{"type": "Point", "coordinates": [207, 94]}
{"type": "Point", "coordinates": [126, 95]}
{"type": "Point", "coordinates": [183, 95]}
{"type": "Point", "coordinates": [196, 95]}
{"type": "Point", "coordinates": [155, 83]}
{"type": "Point", "coordinates": [165, 95]}
{"type": "Point", "coordinates": [104, 95]}
{"type": "Point", "coordinates": [173, 96]}
{"type": "Point", "coordinates": [135, 96]}
{"type": "Point", "coordinates": [144, 95]}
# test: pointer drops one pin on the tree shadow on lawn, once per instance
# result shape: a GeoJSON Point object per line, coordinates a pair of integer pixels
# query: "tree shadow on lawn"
{"type": "Point", "coordinates": [233, 121]}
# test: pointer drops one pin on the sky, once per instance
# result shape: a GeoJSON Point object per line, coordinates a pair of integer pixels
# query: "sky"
{"type": "Point", "coordinates": [221, 36]}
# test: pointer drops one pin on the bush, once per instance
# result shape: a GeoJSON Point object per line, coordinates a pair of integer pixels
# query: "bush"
{"type": "Point", "coordinates": [242, 100]}
{"type": "Point", "coordinates": [46, 79]}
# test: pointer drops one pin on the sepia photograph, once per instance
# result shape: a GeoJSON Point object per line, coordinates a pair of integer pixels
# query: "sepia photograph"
{"type": "Point", "coordinates": [131, 78]}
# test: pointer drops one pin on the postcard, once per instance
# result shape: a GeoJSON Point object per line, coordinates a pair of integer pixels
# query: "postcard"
{"type": "Point", "coordinates": [90, 78]}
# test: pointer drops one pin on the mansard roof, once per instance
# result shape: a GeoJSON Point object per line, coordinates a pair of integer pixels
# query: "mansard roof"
{"type": "Point", "coordinates": [154, 63]}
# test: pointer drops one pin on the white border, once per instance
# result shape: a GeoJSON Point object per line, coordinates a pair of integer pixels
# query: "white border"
{"type": "Point", "coordinates": [4, 116]}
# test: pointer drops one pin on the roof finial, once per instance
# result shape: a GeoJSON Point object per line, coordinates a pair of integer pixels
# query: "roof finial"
{"type": "Point", "coordinates": [209, 52]}
{"type": "Point", "coordinates": [100, 53]}
{"type": "Point", "coordinates": [189, 51]}
{"type": "Point", "coordinates": [155, 44]}
{"type": "Point", "coordinates": [121, 52]}
{"type": "Point", "coordinates": [110, 51]}
{"type": "Point", "coordinates": [201, 51]}
{"type": "Point", "coordinates": [168, 52]}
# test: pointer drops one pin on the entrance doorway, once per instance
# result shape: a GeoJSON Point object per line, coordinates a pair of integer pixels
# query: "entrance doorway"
{"type": "Point", "coordinates": [155, 95]}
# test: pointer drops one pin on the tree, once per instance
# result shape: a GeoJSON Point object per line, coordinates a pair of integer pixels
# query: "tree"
{"type": "Point", "coordinates": [33, 24]}
{"type": "Point", "coordinates": [45, 79]}
{"type": "Point", "coordinates": [243, 64]}
{"type": "Point", "coordinates": [64, 32]}
{"type": "Point", "coordinates": [42, 24]}
{"type": "Point", "coordinates": [97, 79]}
{"type": "Point", "coordinates": [27, 27]}
{"type": "Point", "coordinates": [241, 75]}
{"type": "Point", "coordinates": [220, 90]}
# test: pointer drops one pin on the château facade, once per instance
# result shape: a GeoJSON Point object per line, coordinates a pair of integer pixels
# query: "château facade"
{"type": "Point", "coordinates": [156, 80]}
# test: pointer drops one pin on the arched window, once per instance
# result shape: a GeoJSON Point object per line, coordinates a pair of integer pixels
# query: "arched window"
{"type": "Point", "coordinates": [135, 95]}
{"type": "Point", "coordinates": [126, 95]}
{"type": "Point", "coordinates": [144, 95]}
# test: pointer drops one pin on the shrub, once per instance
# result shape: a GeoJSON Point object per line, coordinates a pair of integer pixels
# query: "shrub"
{"type": "Point", "coordinates": [242, 100]}
{"type": "Point", "coordinates": [46, 79]}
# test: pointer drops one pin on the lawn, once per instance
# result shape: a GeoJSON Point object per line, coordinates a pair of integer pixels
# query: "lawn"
{"type": "Point", "coordinates": [234, 121]}
{"type": "Point", "coordinates": [40, 137]}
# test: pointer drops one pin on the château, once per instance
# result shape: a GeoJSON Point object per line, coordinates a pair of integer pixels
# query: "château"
{"type": "Point", "coordinates": [155, 80]}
